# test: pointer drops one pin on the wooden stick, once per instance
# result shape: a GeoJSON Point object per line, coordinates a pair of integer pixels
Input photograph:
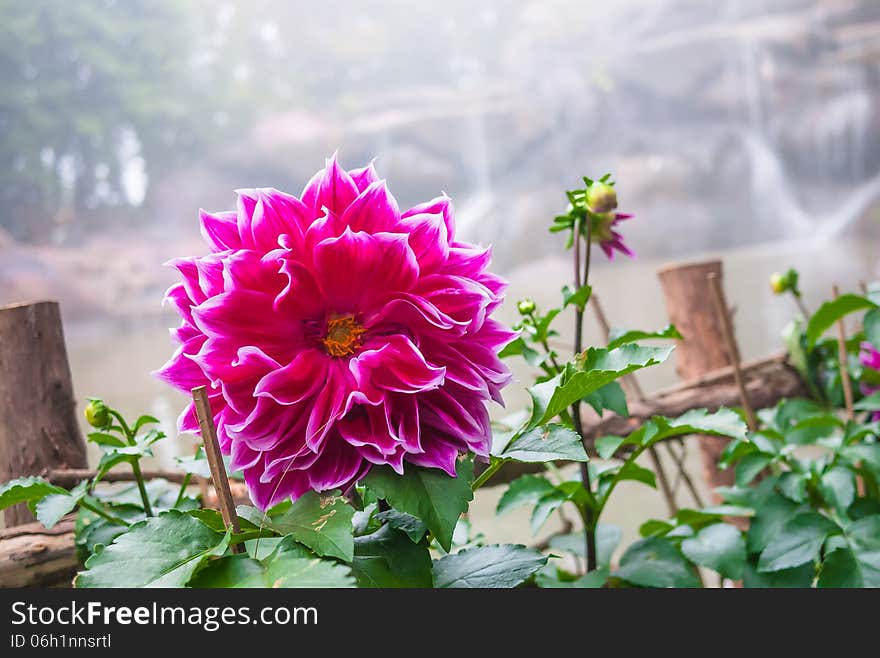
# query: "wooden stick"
{"type": "Point", "coordinates": [732, 349]}
{"type": "Point", "coordinates": [636, 392]}
{"type": "Point", "coordinates": [215, 460]}
{"type": "Point", "coordinates": [70, 477]}
{"type": "Point", "coordinates": [843, 358]}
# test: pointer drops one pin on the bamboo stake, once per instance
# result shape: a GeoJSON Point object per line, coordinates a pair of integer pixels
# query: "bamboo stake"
{"type": "Point", "coordinates": [636, 391]}
{"type": "Point", "coordinates": [215, 460]}
{"type": "Point", "coordinates": [732, 349]}
{"type": "Point", "coordinates": [843, 358]}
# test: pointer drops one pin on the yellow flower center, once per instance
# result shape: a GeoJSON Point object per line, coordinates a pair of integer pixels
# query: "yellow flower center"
{"type": "Point", "coordinates": [343, 335]}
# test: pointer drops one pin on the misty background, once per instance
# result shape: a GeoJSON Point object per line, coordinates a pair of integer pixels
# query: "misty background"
{"type": "Point", "coordinates": [744, 129]}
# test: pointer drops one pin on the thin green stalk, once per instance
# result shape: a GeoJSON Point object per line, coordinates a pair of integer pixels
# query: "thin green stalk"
{"type": "Point", "coordinates": [589, 514]}
{"type": "Point", "coordinates": [136, 469]}
{"type": "Point", "coordinates": [491, 470]}
{"type": "Point", "coordinates": [135, 465]}
{"type": "Point", "coordinates": [103, 513]}
{"type": "Point", "coordinates": [182, 492]}
{"type": "Point", "coordinates": [546, 347]}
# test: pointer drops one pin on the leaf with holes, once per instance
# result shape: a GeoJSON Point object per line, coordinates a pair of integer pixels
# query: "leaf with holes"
{"type": "Point", "coordinates": [323, 523]}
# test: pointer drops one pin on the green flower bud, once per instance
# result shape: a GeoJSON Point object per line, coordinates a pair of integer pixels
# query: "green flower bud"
{"type": "Point", "coordinates": [777, 283]}
{"type": "Point", "coordinates": [785, 282]}
{"type": "Point", "coordinates": [526, 307]}
{"type": "Point", "coordinates": [97, 413]}
{"type": "Point", "coordinates": [601, 197]}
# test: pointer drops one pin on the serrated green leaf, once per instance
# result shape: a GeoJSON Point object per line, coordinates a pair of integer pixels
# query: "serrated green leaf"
{"type": "Point", "coordinates": [750, 466]}
{"type": "Point", "coordinates": [321, 522]}
{"type": "Point", "coordinates": [429, 494]}
{"type": "Point", "coordinates": [597, 368]}
{"type": "Point", "coordinates": [720, 547]}
{"type": "Point", "coordinates": [610, 397]}
{"type": "Point", "coordinates": [838, 488]}
{"type": "Point", "coordinates": [407, 523]}
{"type": "Point", "coordinates": [544, 444]}
{"type": "Point", "coordinates": [53, 507]}
{"type": "Point", "coordinates": [26, 490]}
{"type": "Point", "coordinates": [655, 562]}
{"type": "Point", "coordinates": [798, 577]}
{"type": "Point", "coordinates": [525, 490]}
{"type": "Point", "coordinates": [496, 566]}
{"type": "Point", "coordinates": [606, 446]}
{"type": "Point", "coordinates": [162, 551]}
{"type": "Point", "coordinates": [618, 338]}
{"type": "Point", "coordinates": [288, 566]}
{"type": "Point", "coordinates": [388, 558]}
{"type": "Point", "coordinates": [798, 542]}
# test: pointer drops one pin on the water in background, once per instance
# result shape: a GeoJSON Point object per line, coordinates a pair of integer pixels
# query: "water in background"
{"type": "Point", "coordinates": [744, 129]}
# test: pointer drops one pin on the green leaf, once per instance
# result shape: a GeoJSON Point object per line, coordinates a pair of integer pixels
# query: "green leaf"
{"type": "Point", "coordinates": [545, 506]}
{"type": "Point", "coordinates": [871, 326]}
{"type": "Point", "coordinates": [840, 569]}
{"type": "Point", "coordinates": [830, 312]}
{"type": "Point", "coordinates": [608, 538]}
{"type": "Point", "coordinates": [323, 523]}
{"type": "Point", "coordinates": [496, 566]}
{"type": "Point", "coordinates": [811, 430]}
{"type": "Point", "coordinates": [288, 566]}
{"type": "Point", "coordinates": [606, 446]}
{"type": "Point", "coordinates": [407, 523]}
{"type": "Point", "coordinates": [105, 439]}
{"type": "Point", "coordinates": [798, 542]}
{"type": "Point", "coordinates": [578, 298]}
{"type": "Point", "coordinates": [525, 490]}
{"type": "Point", "coordinates": [632, 471]}
{"type": "Point", "coordinates": [544, 444]}
{"type": "Point", "coordinates": [869, 403]}
{"type": "Point", "coordinates": [551, 577]}
{"type": "Point", "coordinates": [720, 547]}
{"type": "Point", "coordinates": [838, 488]}
{"type": "Point", "coordinates": [611, 397]}
{"type": "Point", "coordinates": [793, 486]}
{"type": "Point", "coordinates": [864, 538]}
{"type": "Point", "coordinates": [771, 515]}
{"type": "Point", "coordinates": [25, 490]}
{"type": "Point", "coordinates": [387, 558]}
{"type": "Point", "coordinates": [655, 562]}
{"type": "Point", "coordinates": [798, 577]}
{"type": "Point", "coordinates": [595, 369]}
{"type": "Point", "coordinates": [53, 507]}
{"type": "Point", "coordinates": [144, 420]}
{"type": "Point", "coordinates": [91, 530]}
{"type": "Point", "coordinates": [618, 338]}
{"type": "Point", "coordinates": [429, 494]}
{"type": "Point", "coordinates": [196, 464]}
{"type": "Point", "coordinates": [749, 467]}
{"type": "Point", "coordinates": [162, 551]}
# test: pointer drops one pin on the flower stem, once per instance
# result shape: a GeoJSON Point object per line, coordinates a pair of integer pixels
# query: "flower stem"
{"type": "Point", "coordinates": [136, 469]}
{"type": "Point", "coordinates": [183, 486]}
{"type": "Point", "coordinates": [96, 509]}
{"type": "Point", "coordinates": [588, 512]}
{"type": "Point", "coordinates": [491, 470]}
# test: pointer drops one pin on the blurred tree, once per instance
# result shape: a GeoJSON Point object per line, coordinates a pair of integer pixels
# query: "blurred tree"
{"type": "Point", "coordinates": [89, 87]}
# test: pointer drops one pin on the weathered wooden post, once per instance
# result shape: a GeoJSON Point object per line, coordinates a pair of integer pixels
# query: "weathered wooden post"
{"type": "Point", "coordinates": [689, 303]}
{"type": "Point", "coordinates": [38, 425]}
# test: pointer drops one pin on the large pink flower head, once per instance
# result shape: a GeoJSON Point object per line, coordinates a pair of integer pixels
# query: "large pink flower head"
{"type": "Point", "coordinates": [335, 332]}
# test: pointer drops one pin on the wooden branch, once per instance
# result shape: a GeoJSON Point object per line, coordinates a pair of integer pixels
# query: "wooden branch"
{"type": "Point", "coordinates": [32, 556]}
{"type": "Point", "coordinates": [38, 424]}
{"type": "Point", "coordinates": [70, 477]}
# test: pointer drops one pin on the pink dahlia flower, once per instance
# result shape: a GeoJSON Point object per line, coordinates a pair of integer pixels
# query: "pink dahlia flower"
{"type": "Point", "coordinates": [869, 357]}
{"type": "Point", "coordinates": [603, 233]}
{"type": "Point", "coordinates": [336, 332]}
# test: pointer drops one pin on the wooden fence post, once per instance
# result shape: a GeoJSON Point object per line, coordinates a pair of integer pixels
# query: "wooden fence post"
{"type": "Point", "coordinates": [689, 303]}
{"type": "Point", "coordinates": [38, 425]}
